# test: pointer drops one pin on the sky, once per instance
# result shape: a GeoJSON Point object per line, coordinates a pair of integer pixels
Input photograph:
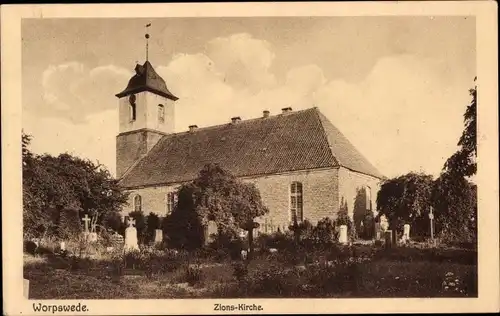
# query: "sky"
{"type": "Point", "coordinates": [396, 87]}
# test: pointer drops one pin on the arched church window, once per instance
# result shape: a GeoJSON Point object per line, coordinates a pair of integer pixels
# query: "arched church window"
{"type": "Point", "coordinates": [161, 113]}
{"type": "Point", "coordinates": [296, 202]}
{"type": "Point", "coordinates": [171, 201]}
{"type": "Point", "coordinates": [137, 203]}
{"type": "Point", "coordinates": [368, 192]}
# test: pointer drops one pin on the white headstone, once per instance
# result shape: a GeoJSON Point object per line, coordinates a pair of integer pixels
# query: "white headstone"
{"type": "Point", "coordinates": [212, 230]}
{"type": "Point", "coordinates": [158, 236]}
{"type": "Point", "coordinates": [343, 234]}
{"type": "Point", "coordinates": [384, 224]}
{"type": "Point", "coordinates": [406, 232]}
{"type": "Point", "coordinates": [63, 246]}
{"type": "Point", "coordinates": [92, 237]}
{"type": "Point", "coordinates": [131, 237]}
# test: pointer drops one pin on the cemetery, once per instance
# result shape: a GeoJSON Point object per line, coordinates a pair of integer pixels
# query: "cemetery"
{"type": "Point", "coordinates": [280, 265]}
{"type": "Point", "coordinates": [421, 242]}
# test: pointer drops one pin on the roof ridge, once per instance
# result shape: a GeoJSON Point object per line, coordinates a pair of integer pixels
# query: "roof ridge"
{"type": "Point", "coordinates": [250, 120]}
{"type": "Point", "coordinates": [325, 135]}
{"type": "Point", "coordinates": [372, 170]}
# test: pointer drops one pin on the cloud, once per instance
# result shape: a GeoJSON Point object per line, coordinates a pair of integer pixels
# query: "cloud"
{"type": "Point", "coordinates": [404, 115]}
{"type": "Point", "coordinates": [94, 139]}
{"type": "Point", "coordinates": [244, 60]}
{"type": "Point", "coordinates": [73, 92]}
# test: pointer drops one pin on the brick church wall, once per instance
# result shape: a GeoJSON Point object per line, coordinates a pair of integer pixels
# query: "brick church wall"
{"type": "Point", "coordinates": [350, 182]}
{"type": "Point", "coordinates": [320, 197]}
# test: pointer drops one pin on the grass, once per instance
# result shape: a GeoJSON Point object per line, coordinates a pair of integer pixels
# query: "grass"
{"type": "Point", "coordinates": [401, 272]}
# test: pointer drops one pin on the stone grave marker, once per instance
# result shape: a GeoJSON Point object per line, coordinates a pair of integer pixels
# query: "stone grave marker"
{"type": "Point", "coordinates": [62, 245]}
{"type": "Point", "coordinates": [158, 236]}
{"type": "Point", "coordinates": [131, 237]}
{"type": "Point", "coordinates": [92, 237]}
{"type": "Point", "coordinates": [212, 230]}
{"type": "Point", "coordinates": [378, 231]}
{"type": "Point", "coordinates": [388, 239]}
{"type": "Point", "coordinates": [406, 233]}
{"type": "Point", "coordinates": [117, 239]}
{"type": "Point", "coordinates": [384, 224]}
{"type": "Point", "coordinates": [343, 234]}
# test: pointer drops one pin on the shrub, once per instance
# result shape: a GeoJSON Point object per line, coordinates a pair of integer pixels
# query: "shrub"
{"type": "Point", "coordinates": [132, 259]}
{"type": "Point", "coordinates": [78, 263]}
{"type": "Point", "coordinates": [153, 223]}
{"type": "Point", "coordinates": [193, 275]}
{"type": "Point", "coordinates": [30, 247]}
{"type": "Point", "coordinates": [274, 281]}
{"type": "Point", "coordinates": [69, 223]}
{"type": "Point", "coordinates": [336, 278]}
{"type": "Point", "coordinates": [276, 240]}
{"type": "Point", "coordinates": [240, 271]}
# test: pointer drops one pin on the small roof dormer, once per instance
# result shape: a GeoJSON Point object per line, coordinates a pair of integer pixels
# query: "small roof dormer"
{"type": "Point", "coordinates": [147, 79]}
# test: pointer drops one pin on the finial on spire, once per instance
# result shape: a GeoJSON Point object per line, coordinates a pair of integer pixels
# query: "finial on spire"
{"type": "Point", "coordinates": [147, 42]}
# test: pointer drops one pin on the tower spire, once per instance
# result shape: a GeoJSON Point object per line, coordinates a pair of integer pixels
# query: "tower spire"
{"type": "Point", "coordinates": [147, 41]}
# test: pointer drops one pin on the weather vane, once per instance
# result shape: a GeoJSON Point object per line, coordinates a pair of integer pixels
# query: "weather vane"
{"type": "Point", "coordinates": [147, 41]}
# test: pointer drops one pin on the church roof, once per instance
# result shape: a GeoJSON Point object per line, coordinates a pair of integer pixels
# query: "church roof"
{"type": "Point", "coordinates": [298, 140]}
{"type": "Point", "coordinates": [146, 79]}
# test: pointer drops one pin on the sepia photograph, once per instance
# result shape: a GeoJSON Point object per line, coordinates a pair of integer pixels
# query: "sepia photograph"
{"type": "Point", "coordinates": [248, 157]}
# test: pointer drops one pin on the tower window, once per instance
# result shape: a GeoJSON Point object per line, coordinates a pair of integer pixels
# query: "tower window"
{"type": "Point", "coordinates": [132, 108]}
{"type": "Point", "coordinates": [132, 112]}
{"type": "Point", "coordinates": [161, 113]}
{"type": "Point", "coordinates": [296, 205]}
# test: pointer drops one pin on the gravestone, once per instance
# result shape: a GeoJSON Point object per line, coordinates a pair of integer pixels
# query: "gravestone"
{"type": "Point", "coordinates": [388, 239]}
{"type": "Point", "coordinates": [378, 231]}
{"type": "Point", "coordinates": [158, 236]}
{"type": "Point", "coordinates": [131, 237]}
{"type": "Point", "coordinates": [26, 288]}
{"type": "Point", "coordinates": [343, 234]}
{"type": "Point", "coordinates": [117, 239]}
{"type": "Point", "coordinates": [384, 224]}
{"type": "Point", "coordinates": [92, 237]}
{"type": "Point", "coordinates": [212, 231]}
{"type": "Point", "coordinates": [406, 233]}
{"type": "Point", "coordinates": [62, 245]}
{"type": "Point", "coordinates": [243, 234]}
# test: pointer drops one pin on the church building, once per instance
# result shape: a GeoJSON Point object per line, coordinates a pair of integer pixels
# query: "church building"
{"type": "Point", "coordinates": [303, 166]}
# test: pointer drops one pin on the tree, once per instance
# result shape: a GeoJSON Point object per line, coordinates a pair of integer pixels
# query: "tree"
{"type": "Point", "coordinates": [455, 202]}
{"type": "Point", "coordinates": [52, 184]}
{"type": "Point", "coordinates": [215, 195]}
{"type": "Point", "coordinates": [247, 205]}
{"type": "Point", "coordinates": [153, 223]}
{"type": "Point", "coordinates": [69, 223]}
{"type": "Point", "coordinates": [405, 199]}
{"type": "Point", "coordinates": [455, 197]}
{"type": "Point", "coordinates": [463, 162]}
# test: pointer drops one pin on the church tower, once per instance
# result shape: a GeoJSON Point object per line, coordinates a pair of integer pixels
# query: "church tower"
{"type": "Point", "coordinates": [146, 113]}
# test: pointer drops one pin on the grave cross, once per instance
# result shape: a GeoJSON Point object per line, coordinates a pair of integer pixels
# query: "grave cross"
{"type": "Point", "coordinates": [86, 219]}
{"type": "Point", "coordinates": [131, 222]}
{"type": "Point", "coordinates": [431, 217]}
